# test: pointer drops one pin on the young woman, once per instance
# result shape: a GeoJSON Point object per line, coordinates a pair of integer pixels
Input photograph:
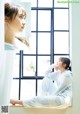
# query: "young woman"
{"type": "Point", "coordinates": [56, 87]}
{"type": "Point", "coordinates": [15, 16]}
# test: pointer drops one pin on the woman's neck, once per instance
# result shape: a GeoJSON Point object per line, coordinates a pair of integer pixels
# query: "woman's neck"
{"type": "Point", "coordinates": [62, 70]}
{"type": "Point", "coordinates": [10, 40]}
{"type": "Point", "coordinates": [9, 37]}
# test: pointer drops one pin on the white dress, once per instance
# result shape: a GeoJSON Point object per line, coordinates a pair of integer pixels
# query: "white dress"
{"type": "Point", "coordinates": [56, 90]}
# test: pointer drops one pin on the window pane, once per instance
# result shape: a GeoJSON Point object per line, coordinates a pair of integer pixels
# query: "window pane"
{"type": "Point", "coordinates": [33, 43]}
{"type": "Point", "coordinates": [61, 42]}
{"type": "Point", "coordinates": [32, 48]}
{"type": "Point", "coordinates": [33, 20]}
{"type": "Point", "coordinates": [39, 87]}
{"type": "Point", "coordinates": [14, 89]}
{"type": "Point", "coordinates": [16, 66]}
{"type": "Point", "coordinates": [44, 20]}
{"type": "Point", "coordinates": [45, 3]}
{"type": "Point", "coordinates": [61, 19]}
{"type": "Point", "coordinates": [57, 3]}
{"type": "Point", "coordinates": [33, 2]}
{"type": "Point", "coordinates": [27, 89]}
{"type": "Point", "coordinates": [29, 65]}
{"type": "Point", "coordinates": [43, 63]}
{"type": "Point", "coordinates": [44, 43]}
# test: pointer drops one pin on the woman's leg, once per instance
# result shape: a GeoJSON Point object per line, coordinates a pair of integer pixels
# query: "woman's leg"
{"type": "Point", "coordinates": [48, 87]}
{"type": "Point", "coordinates": [45, 101]}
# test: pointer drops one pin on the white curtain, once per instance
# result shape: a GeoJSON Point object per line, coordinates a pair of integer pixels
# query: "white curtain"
{"type": "Point", "coordinates": [6, 69]}
{"type": "Point", "coordinates": [6, 63]}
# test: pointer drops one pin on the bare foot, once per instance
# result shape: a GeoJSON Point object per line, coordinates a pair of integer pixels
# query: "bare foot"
{"type": "Point", "coordinates": [13, 102]}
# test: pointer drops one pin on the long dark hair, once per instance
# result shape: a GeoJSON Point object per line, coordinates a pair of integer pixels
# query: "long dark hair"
{"type": "Point", "coordinates": [66, 61]}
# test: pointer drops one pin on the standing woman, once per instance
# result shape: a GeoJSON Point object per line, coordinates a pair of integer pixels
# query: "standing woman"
{"type": "Point", "coordinates": [15, 16]}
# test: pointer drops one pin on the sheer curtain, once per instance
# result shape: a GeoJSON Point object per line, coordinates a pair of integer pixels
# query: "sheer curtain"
{"type": "Point", "coordinates": [6, 69]}
{"type": "Point", "coordinates": [6, 63]}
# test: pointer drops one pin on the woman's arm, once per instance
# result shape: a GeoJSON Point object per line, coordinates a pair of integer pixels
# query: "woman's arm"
{"type": "Point", "coordinates": [49, 70]}
{"type": "Point", "coordinates": [65, 82]}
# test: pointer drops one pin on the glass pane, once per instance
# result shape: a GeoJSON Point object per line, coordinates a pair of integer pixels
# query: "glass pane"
{"type": "Point", "coordinates": [29, 65]}
{"type": "Point", "coordinates": [27, 89]}
{"type": "Point", "coordinates": [39, 87]}
{"type": "Point", "coordinates": [32, 48]}
{"type": "Point", "coordinates": [61, 42]}
{"type": "Point", "coordinates": [16, 66]}
{"type": "Point", "coordinates": [58, 3]}
{"type": "Point", "coordinates": [33, 43]}
{"type": "Point", "coordinates": [33, 2]}
{"type": "Point", "coordinates": [43, 63]}
{"type": "Point", "coordinates": [44, 43]}
{"type": "Point", "coordinates": [44, 20]}
{"type": "Point", "coordinates": [33, 20]}
{"type": "Point", "coordinates": [14, 89]}
{"type": "Point", "coordinates": [60, 19]}
{"type": "Point", "coordinates": [45, 3]}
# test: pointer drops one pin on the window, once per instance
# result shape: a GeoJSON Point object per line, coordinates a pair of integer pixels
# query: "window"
{"type": "Point", "coordinates": [49, 40]}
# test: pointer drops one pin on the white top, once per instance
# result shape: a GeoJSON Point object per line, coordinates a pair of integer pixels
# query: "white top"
{"type": "Point", "coordinates": [9, 46]}
{"type": "Point", "coordinates": [56, 90]}
{"type": "Point", "coordinates": [58, 84]}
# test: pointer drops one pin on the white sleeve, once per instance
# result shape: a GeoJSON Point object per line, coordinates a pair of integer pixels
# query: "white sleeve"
{"type": "Point", "coordinates": [65, 82]}
{"type": "Point", "coordinates": [49, 71]}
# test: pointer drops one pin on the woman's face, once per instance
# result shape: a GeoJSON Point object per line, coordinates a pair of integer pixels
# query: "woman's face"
{"type": "Point", "coordinates": [18, 24]}
{"type": "Point", "coordinates": [60, 65]}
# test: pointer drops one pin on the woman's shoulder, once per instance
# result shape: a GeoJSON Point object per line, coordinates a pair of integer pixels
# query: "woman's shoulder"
{"type": "Point", "coordinates": [68, 73]}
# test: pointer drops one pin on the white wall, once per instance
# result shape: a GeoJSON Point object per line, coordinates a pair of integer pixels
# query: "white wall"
{"type": "Point", "coordinates": [76, 57]}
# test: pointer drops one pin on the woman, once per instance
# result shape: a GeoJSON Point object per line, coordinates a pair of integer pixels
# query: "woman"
{"type": "Point", "coordinates": [56, 87]}
{"type": "Point", "coordinates": [15, 17]}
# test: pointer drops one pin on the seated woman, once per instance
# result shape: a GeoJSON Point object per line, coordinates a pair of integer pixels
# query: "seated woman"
{"type": "Point", "coordinates": [56, 87]}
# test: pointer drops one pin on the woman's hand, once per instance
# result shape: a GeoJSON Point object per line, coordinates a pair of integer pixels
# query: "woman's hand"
{"type": "Point", "coordinates": [54, 66]}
